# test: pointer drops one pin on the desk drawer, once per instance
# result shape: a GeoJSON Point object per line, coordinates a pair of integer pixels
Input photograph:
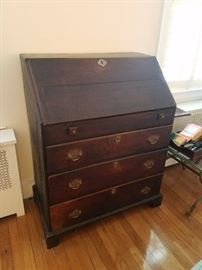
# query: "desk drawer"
{"type": "Point", "coordinates": [71, 213]}
{"type": "Point", "coordinates": [68, 132]}
{"type": "Point", "coordinates": [87, 152]}
{"type": "Point", "coordinates": [71, 185]}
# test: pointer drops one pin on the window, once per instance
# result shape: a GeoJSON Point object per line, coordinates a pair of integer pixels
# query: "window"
{"type": "Point", "coordinates": [180, 48]}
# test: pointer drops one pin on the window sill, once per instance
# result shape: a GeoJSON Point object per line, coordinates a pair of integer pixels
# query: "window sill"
{"type": "Point", "coordinates": [191, 105]}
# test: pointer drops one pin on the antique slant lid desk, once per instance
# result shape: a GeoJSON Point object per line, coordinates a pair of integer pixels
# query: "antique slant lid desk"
{"type": "Point", "coordinates": [100, 128]}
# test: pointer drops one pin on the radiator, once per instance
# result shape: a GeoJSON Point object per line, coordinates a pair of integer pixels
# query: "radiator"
{"type": "Point", "coordinates": [11, 201]}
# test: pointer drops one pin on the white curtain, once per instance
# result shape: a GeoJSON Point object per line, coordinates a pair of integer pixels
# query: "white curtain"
{"type": "Point", "coordinates": [180, 45]}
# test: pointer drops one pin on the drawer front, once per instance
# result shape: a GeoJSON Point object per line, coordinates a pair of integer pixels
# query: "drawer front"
{"type": "Point", "coordinates": [87, 152]}
{"type": "Point", "coordinates": [71, 213]}
{"type": "Point", "coordinates": [67, 132]}
{"type": "Point", "coordinates": [68, 186]}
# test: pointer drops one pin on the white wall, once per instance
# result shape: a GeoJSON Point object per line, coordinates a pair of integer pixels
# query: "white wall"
{"type": "Point", "coordinates": [42, 26]}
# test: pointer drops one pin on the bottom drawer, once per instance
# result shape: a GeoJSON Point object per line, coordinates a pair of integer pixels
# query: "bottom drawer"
{"type": "Point", "coordinates": [73, 212]}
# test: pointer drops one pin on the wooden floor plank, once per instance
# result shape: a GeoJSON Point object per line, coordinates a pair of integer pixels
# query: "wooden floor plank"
{"type": "Point", "coordinates": [23, 257]}
{"type": "Point", "coordinates": [45, 258]}
{"type": "Point", "coordinates": [126, 255]}
{"type": "Point", "coordinates": [6, 259]}
{"type": "Point", "coordinates": [143, 238]}
{"type": "Point", "coordinates": [101, 247]}
{"type": "Point", "coordinates": [91, 250]}
{"type": "Point", "coordinates": [155, 245]}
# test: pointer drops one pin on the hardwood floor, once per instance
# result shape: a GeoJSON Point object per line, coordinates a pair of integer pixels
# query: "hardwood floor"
{"type": "Point", "coordinates": [161, 238]}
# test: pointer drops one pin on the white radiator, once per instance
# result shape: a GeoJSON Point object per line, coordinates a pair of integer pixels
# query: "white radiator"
{"type": "Point", "coordinates": [11, 201]}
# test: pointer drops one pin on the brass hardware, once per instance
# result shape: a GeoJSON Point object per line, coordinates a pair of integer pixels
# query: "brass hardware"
{"type": "Point", "coordinates": [75, 154]}
{"type": "Point", "coordinates": [149, 164]}
{"type": "Point", "coordinates": [115, 164]}
{"type": "Point", "coordinates": [75, 214]}
{"type": "Point", "coordinates": [161, 115]}
{"type": "Point", "coordinates": [145, 190]}
{"type": "Point", "coordinates": [75, 183]}
{"type": "Point", "coordinates": [118, 139]}
{"type": "Point", "coordinates": [73, 130]}
{"type": "Point", "coordinates": [153, 139]}
{"type": "Point", "coordinates": [102, 62]}
{"type": "Point", "coordinates": [113, 191]}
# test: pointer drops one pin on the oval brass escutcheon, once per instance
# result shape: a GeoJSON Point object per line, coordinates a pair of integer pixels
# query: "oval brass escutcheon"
{"type": "Point", "coordinates": [75, 183]}
{"type": "Point", "coordinates": [75, 154]}
{"type": "Point", "coordinates": [113, 191]}
{"type": "Point", "coordinates": [153, 139]}
{"type": "Point", "coordinates": [117, 139]}
{"type": "Point", "coordinates": [145, 190]}
{"type": "Point", "coordinates": [75, 214]}
{"type": "Point", "coordinates": [102, 62]}
{"type": "Point", "coordinates": [149, 163]}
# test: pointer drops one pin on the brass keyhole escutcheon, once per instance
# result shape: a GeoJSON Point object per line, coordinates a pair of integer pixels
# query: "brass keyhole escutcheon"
{"type": "Point", "coordinates": [75, 154]}
{"type": "Point", "coordinates": [153, 139]}
{"type": "Point", "coordinates": [117, 139]}
{"type": "Point", "coordinates": [145, 190]}
{"type": "Point", "coordinates": [72, 130]}
{"type": "Point", "coordinates": [149, 164]}
{"type": "Point", "coordinates": [75, 183]}
{"type": "Point", "coordinates": [161, 115]}
{"type": "Point", "coordinates": [116, 164]}
{"type": "Point", "coordinates": [102, 62]}
{"type": "Point", "coordinates": [75, 214]}
{"type": "Point", "coordinates": [113, 191]}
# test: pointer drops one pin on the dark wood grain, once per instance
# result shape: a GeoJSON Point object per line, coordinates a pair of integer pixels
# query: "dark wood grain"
{"type": "Point", "coordinates": [81, 71]}
{"type": "Point", "coordinates": [36, 136]}
{"type": "Point", "coordinates": [100, 203]}
{"type": "Point", "coordinates": [105, 148]}
{"type": "Point", "coordinates": [105, 175]}
{"type": "Point", "coordinates": [61, 133]}
{"type": "Point", "coordinates": [90, 101]}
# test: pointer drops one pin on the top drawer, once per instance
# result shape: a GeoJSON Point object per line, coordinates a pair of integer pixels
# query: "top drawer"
{"type": "Point", "coordinates": [70, 156]}
{"type": "Point", "coordinates": [72, 131]}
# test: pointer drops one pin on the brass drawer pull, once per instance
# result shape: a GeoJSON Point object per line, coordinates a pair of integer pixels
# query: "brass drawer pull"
{"type": "Point", "coordinates": [72, 130]}
{"type": "Point", "coordinates": [75, 214]}
{"type": "Point", "coordinates": [117, 139]}
{"type": "Point", "coordinates": [145, 190]}
{"type": "Point", "coordinates": [149, 164]}
{"type": "Point", "coordinates": [74, 155]}
{"type": "Point", "coordinates": [102, 62]}
{"type": "Point", "coordinates": [75, 183]}
{"type": "Point", "coordinates": [153, 139]}
{"type": "Point", "coordinates": [113, 191]}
